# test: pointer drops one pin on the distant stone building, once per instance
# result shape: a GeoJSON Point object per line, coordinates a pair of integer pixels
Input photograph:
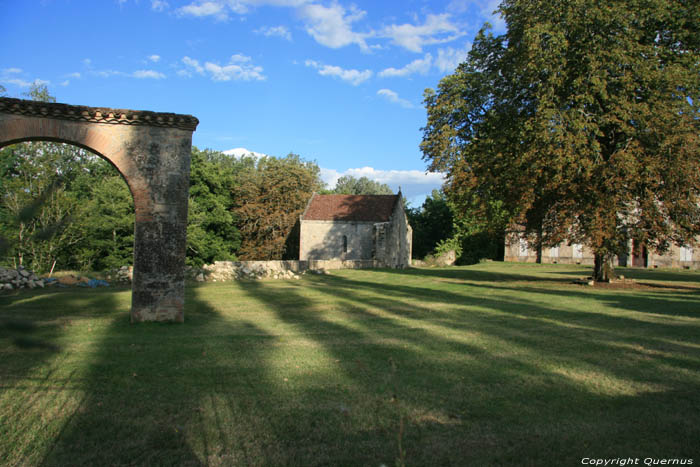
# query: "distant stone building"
{"type": "Point", "coordinates": [371, 228]}
{"type": "Point", "coordinates": [687, 257]}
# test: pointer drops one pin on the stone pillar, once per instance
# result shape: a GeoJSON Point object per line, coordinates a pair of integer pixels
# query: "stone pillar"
{"type": "Point", "coordinates": [160, 188]}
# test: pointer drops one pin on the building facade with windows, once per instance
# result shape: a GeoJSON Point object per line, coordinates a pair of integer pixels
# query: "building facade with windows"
{"type": "Point", "coordinates": [356, 228]}
{"type": "Point", "coordinates": [517, 249]}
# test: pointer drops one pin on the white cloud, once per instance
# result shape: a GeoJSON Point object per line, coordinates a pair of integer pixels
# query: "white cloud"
{"type": "Point", "coordinates": [354, 77]}
{"type": "Point", "coordinates": [147, 74]}
{"type": "Point", "coordinates": [202, 9]}
{"type": "Point", "coordinates": [219, 9]}
{"type": "Point", "coordinates": [448, 59]}
{"type": "Point", "coordinates": [138, 74]}
{"type": "Point", "coordinates": [74, 75]}
{"type": "Point", "coordinates": [420, 65]}
{"type": "Point", "coordinates": [159, 5]}
{"type": "Point", "coordinates": [413, 183]}
{"type": "Point", "coordinates": [332, 26]}
{"type": "Point", "coordinates": [25, 84]}
{"type": "Point", "coordinates": [191, 64]}
{"type": "Point", "coordinates": [9, 71]}
{"type": "Point", "coordinates": [240, 152]}
{"type": "Point", "coordinates": [17, 82]}
{"type": "Point", "coordinates": [239, 58]}
{"type": "Point", "coordinates": [436, 29]}
{"type": "Point", "coordinates": [278, 31]}
{"type": "Point", "coordinates": [65, 83]}
{"type": "Point", "coordinates": [154, 58]}
{"type": "Point", "coordinates": [238, 69]}
{"type": "Point", "coordinates": [107, 73]}
{"type": "Point", "coordinates": [391, 96]}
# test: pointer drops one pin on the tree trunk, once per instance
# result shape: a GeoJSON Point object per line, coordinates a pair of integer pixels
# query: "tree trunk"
{"type": "Point", "coordinates": [538, 245]}
{"type": "Point", "coordinates": [602, 268]}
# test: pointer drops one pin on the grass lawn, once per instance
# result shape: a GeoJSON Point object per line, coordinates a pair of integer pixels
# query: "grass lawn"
{"type": "Point", "coordinates": [492, 364]}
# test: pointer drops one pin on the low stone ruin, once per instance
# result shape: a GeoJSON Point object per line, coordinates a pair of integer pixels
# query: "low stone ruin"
{"type": "Point", "coordinates": [222, 271]}
{"type": "Point", "coordinates": [124, 274]}
{"type": "Point", "coordinates": [19, 278]}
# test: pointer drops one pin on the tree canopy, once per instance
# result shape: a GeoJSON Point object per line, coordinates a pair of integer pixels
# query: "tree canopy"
{"type": "Point", "coordinates": [581, 123]}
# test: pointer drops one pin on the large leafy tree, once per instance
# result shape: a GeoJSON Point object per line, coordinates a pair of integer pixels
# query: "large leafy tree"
{"type": "Point", "coordinates": [581, 123]}
{"type": "Point", "coordinates": [269, 198]}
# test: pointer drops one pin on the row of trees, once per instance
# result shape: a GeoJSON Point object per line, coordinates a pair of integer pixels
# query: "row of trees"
{"type": "Point", "coordinates": [581, 123]}
{"type": "Point", "coordinates": [83, 216]}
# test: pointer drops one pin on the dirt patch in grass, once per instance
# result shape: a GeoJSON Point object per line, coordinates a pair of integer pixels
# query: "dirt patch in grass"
{"type": "Point", "coordinates": [632, 284]}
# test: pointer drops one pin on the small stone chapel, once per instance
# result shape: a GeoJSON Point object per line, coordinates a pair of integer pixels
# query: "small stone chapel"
{"type": "Point", "coordinates": [356, 228]}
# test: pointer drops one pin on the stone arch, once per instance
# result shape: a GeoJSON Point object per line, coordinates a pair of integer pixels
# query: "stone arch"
{"type": "Point", "coordinates": [152, 153]}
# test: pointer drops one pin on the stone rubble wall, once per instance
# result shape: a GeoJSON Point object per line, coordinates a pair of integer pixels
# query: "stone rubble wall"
{"type": "Point", "coordinates": [20, 278]}
{"type": "Point", "coordinates": [124, 274]}
{"type": "Point", "coordinates": [222, 271]}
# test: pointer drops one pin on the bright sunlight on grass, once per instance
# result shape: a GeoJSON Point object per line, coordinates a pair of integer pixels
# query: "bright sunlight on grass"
{"type": "Point", "coordinates": [488, 364]}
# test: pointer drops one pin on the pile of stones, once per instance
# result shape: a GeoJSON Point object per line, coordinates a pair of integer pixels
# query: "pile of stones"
{"type": "Point", "coordinates": [222, 271]}
{"type": "Point", "coordinates": [19, 278]}
{"type": "Point", "coordinates": [124, 274]}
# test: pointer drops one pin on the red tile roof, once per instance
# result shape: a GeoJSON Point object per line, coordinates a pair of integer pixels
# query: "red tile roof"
{"type": "Point", "coordinates": [363, 208]}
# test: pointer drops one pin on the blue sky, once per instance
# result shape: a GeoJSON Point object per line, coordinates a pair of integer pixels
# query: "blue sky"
{"type": "Point", "coordinates": [337, 82]}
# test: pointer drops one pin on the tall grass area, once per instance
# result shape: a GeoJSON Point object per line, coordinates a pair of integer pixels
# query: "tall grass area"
{"type": "Point", "coordinates": [491, 364]}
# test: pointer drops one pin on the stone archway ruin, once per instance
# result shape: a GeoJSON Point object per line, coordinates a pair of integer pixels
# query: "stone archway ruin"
{"type": "Point", "coordinates": [152, 152]}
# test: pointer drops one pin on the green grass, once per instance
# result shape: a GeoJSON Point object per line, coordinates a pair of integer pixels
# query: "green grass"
{"type": "Point", "coordinates": [492, 364]}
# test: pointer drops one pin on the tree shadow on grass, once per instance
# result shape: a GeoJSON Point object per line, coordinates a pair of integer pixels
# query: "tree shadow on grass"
{"type": "Point", "coordinates": [325, 370]}
{"type": "Point", "coordinates": [529, 318]}
{"type": "Point", "coordinates": [493, 397]}
{"type": "Point", "coordinates": [525, 273]}
{"type": "Point", "coordinates": [38, 383]}
{"type": "Point", "coordinates": [149, 389]}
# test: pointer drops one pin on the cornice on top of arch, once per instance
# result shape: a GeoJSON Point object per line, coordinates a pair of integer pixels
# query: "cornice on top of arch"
{"type": "Point", "coordinates": [81, 113]}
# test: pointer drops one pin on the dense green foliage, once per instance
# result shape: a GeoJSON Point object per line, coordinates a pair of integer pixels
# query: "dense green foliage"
{"type": "Point", "coordinates": [83, 216]}
{"type": "Point", "coordinates": [431, 223]}
{"type": "Point", "coordinates": [437, 229]}
{"type": "Point", "coordinates": [581, 123]}
{"type": "Point", "coordinates": [349, 185]}
{"type": "Point", "coordinates": [39, 177]}
{"type": "Point", "coordinates": [211, 226]}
